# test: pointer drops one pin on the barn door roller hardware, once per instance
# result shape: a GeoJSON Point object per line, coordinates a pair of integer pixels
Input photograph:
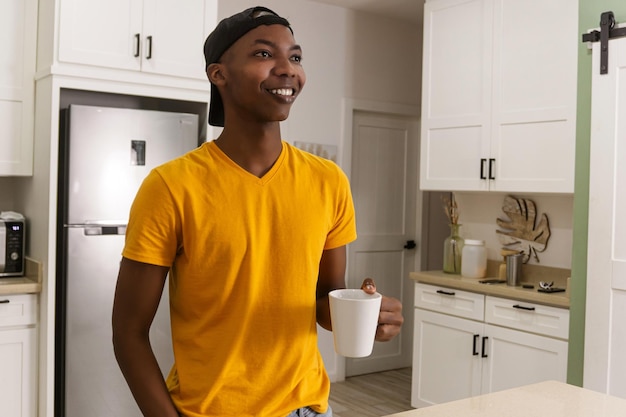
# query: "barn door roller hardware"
{"type": "Point", "coordinates": [607, 32]}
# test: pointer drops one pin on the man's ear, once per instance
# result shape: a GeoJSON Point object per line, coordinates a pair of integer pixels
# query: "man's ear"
{"type": "Point", "coordinates": [215, 73]}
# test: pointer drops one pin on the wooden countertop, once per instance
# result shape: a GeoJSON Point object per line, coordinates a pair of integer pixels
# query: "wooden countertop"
{"type": "Point", "coordinates": [29, 283]}
{"type": "Point", "coordinates": [560, 299]}
{"type": "Point", "coordinates": [551, 398]}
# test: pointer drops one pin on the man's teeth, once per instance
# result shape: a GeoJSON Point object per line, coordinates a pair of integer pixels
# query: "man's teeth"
{"type": "Point", "coordinates": [282, 91]}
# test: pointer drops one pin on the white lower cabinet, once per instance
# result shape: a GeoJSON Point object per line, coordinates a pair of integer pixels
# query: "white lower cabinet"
{"type": "Point", "coordinates": [18, 356]}
{"type": "Point", "coordinates": [455, 357]}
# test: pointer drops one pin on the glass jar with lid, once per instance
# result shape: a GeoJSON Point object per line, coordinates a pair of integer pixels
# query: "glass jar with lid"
{"type": "Point", "coordinates": [474, 257]}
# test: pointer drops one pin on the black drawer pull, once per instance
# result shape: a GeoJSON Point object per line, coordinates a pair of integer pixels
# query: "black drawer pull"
{"type": "Point", "coordinates": [491, 163]}
{"type": "Point", "coordinates": [482, 168]}
{"type": "Point", "coordinates": [524, 307]}
{"type": "Point", "coordinates": [474, 351]}
{"type": "Point", "coordinates": [484, 355]}
{"type": "Point", "coordinates": [445, 292]}
{"type": "Point", "coordinates": [5, 301]}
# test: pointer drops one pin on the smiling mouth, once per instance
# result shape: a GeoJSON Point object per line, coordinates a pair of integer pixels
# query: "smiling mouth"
{"type": "Point", "coordinates": [285, 92]}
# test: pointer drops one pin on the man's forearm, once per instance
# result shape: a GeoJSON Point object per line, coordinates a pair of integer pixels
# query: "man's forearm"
{"type": "Point", "coordinates": [143, 375]}
{"type": "Point", "coordinates": [323, 313]}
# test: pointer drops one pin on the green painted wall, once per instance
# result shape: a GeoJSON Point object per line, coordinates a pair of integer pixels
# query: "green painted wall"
{"type": "Point", "coordinates": [589, 18]}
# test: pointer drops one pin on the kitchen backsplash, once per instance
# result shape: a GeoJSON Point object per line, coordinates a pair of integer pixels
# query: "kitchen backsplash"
{"type": "Point", "coordinates": [478, 213]}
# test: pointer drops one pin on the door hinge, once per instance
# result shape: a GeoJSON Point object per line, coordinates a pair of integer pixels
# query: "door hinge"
{"type": "Point", "coordinates": [606, 33]}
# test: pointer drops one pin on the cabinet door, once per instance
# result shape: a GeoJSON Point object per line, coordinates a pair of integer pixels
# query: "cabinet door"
{"type": "Point", "coordinates": [534, 95]}
{"type": "Point", "coordinates": [456, 98]}
{"type": "Point", "coordinates": [104, 33]}
{"type": "Point", "coordinates": [173, 36]}
{"type": "Point", "coordinates": [516, 358]}
{"type": "Point", "coordinates": [18, 31]}
{"type": "Point", "coordinates": [18, 369]}
{"type": "Point", "coordinates": [446, 358]}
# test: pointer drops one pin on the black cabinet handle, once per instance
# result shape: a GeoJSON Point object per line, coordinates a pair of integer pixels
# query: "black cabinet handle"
{"type": "Point", "coordinates": [137, 44]}
{"type": "Point", "coordinates": [410, 244]}
{"type": "Point", "coordinates": [524, 307]}
{"type": "Point", "coordinates": [482, 169]}
{"type": "Point", "coordinates": [483, 354]}
{"type": "Point", "coordinates": [491, 168]}
{"type": "Point", "coordinates": [149, 55]}
{"type": "Point", "coordinates": [5, 301]}
{"type": "Point", "coordinates": [474, 351]}
{"type": "Point", "coordinates": [445, 292]}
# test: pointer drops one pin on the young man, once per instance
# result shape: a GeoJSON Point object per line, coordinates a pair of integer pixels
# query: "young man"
{"type": "Point", "coordinates": [252, 232]}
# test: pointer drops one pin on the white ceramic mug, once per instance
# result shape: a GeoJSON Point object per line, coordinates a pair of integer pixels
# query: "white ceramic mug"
{"type": "Point", "coordinates": [354, 317]}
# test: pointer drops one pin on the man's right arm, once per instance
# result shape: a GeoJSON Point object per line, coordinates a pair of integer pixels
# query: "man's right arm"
{"type": "Point", "coordinates": [137, 296]}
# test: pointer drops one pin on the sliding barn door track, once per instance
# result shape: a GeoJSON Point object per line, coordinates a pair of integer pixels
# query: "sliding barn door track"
{"type": "Point", "coordinates": [607, 32]}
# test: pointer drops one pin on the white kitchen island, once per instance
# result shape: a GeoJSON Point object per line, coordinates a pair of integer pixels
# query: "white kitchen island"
{"type": "Point", "coordinates": [551, 398]}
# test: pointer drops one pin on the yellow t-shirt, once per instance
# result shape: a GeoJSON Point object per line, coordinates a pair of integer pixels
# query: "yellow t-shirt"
{"type": "Point", "coordinates": [244, 255]}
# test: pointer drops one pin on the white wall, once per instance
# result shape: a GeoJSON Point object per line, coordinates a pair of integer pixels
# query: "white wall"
{"type": "Point", "coordinates": [6, 194]}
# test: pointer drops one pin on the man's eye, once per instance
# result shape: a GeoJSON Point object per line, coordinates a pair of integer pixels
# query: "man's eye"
{"type": "Point", "coordinates": [297, 58]}
{"type": "Point", "coordinates": [263, 54]}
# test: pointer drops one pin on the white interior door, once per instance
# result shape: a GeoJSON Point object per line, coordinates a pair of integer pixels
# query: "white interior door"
{"type": "Point", "coordinates": [605, 333]}
{"type": "Point", "coordinates": [384, 185]}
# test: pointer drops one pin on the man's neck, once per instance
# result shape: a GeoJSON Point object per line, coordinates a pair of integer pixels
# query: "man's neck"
{"type": "Point", "coordinates": [253, 149]}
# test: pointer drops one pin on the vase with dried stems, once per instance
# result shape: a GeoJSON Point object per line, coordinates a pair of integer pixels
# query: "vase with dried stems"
{"type": "Point", "coordinates": [453, 245]}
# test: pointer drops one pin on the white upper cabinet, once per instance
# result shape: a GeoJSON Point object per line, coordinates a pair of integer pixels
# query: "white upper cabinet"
{"type": "Point", "coordinates": [154, 36]}
{"type": "Point", "coordinates": [499, 95]}
{"type": "Point", "coordinates": [18, 41]}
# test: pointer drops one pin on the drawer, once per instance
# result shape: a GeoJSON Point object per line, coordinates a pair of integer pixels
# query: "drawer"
{"type": "Point", "coordinates": [450, 301]}
{"type": "Point", "coordinates": [529, 317]}
{"type": "Point", "coordinates": [18, 309]}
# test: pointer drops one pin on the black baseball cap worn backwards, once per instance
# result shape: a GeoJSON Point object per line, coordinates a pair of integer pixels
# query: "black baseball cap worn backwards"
{"type": "Point", "coordinates": [227, 32]}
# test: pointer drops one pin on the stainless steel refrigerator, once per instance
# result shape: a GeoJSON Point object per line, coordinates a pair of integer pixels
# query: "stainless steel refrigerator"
{"type": "Point", "coordinates": [105, 153]}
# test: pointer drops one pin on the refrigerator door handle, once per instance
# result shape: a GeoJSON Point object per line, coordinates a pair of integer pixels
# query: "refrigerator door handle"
{"type": "Point", "coordinates": [105, 230]}
{"type": "Point", "coordinates": [100, 228]}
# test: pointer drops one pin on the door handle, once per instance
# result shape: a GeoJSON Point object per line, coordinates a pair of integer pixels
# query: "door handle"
{"type": "Point", "coordinates": [482, 168]}
{"type": "Point", "coordinates": [491, 168]}
{"type": "Point", "coordinates": [410, 244]}
{"type": "Point", "coordinates": [137, 44]}
{"type": "Point", "coordinates": [474, 351]}
{"type": "Point", "coordinates": [483, 354]}
{"type": "Point", "coordinates": [149, 54]}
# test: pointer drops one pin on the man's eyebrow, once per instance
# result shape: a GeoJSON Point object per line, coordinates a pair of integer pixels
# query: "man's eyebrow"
{"type": "Point", "coordinates": [273, 45]}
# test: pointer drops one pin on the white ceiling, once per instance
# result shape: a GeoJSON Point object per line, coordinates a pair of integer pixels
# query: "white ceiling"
{"type": "Point", "coordinates": [410, 10]}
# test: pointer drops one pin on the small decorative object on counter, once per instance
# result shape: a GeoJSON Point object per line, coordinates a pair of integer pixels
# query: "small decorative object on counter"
{"type": "Point", "coordinates": [474, 258]}
{"type": "Point", "coordinates": [453, 245]}
{"type": "Point", "coordinates": [514, 269]}
{"type": "Point", "coordinates": [504, 253]}
{"type": "Point", "coordinates": [453, 250]}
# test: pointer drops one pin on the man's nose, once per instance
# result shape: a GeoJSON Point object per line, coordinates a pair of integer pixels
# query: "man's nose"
{"type": "Point", "coordinates": [285, 66]}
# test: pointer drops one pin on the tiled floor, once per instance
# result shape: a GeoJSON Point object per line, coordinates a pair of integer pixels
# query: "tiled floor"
{"type": "Point", "coordinates": [372, 395]}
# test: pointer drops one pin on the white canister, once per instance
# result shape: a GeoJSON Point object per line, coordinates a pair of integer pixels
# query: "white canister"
{"type": "Point", "coordinates": [474, 259]}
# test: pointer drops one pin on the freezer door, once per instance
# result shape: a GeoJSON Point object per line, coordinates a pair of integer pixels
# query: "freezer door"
{"type": "Point", "coordinates": [94, 385]}
{"type": "Point", "coordinates": [111, 150]}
